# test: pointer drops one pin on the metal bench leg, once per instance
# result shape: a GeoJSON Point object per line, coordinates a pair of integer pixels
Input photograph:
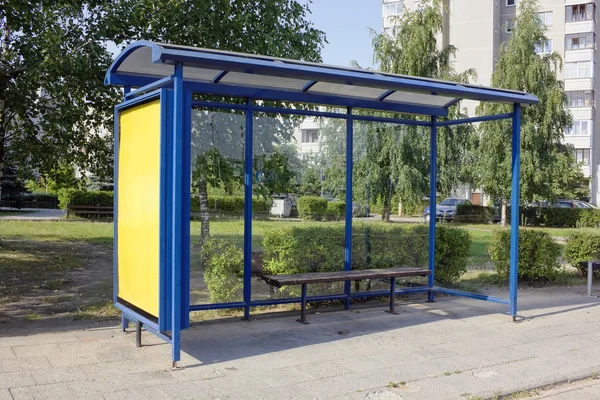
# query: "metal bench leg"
{"type": "Point", "coordinates": [590, 272]}
{"type": "Point", "coordinates": [303, 307]}
{"type": "Point", "coordinates": [392, 309]}
{"type": "Point", "coordinates": [138, 334]}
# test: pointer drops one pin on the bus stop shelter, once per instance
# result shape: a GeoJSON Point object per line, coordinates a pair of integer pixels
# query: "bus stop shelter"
{"type": "Point", "coordinates": [163, 82]}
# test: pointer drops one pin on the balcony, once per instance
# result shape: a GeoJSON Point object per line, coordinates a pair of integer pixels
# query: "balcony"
{"type": "Point", "coordinates": [580, 27]}
{"type": "Point", "coordinates": [579, 55]}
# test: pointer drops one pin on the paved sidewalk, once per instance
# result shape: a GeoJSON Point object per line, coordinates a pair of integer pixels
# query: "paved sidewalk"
{"type": "Point", "coordinates": [452, 349]}
{"type": "Point", "coordinates": [585, 390]}
{"type": "Point", "coordinates": [34, 214]}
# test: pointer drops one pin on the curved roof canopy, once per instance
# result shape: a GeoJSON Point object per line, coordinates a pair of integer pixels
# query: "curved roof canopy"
{"type": "Point", "coordinates": [269, 78]}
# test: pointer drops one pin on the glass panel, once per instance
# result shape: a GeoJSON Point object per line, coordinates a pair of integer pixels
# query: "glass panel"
{"type": "Point", "coordinates": [263, 80]}
{"type": "Point", "coordinates": [347, 90]}
{"type": "Point", "coordinates": [217, 206]}
{"type": "Point", "coordinates": [377, 243]}
{"type": "Point", "coordinates": [419, 98]}
{"type": "Point", "coordinates": [199, 74]}
{"type": "Point", "coordinates": [299, 168]}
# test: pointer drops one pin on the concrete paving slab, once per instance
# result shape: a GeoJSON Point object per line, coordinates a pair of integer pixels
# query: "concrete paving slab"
{"type": "Point", "coordinates": [5, 394]}
{"type": "Point", "coordinates": [444, 350]}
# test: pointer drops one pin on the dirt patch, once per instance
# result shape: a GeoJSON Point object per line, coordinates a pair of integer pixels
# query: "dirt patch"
{"type": "Point", "coordinates": [46, 280]}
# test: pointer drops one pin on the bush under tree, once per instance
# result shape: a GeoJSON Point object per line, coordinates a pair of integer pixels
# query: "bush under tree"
{"type": "Point", "coordinates": [538, 255]}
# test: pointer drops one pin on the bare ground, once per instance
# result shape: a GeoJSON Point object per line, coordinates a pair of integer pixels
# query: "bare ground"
{"type": "Point", "coordinates": [53, 282]}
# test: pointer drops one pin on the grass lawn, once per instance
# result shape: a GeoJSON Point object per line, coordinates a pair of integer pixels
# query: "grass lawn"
{"type": "Point", "coordinates": [40, 260]}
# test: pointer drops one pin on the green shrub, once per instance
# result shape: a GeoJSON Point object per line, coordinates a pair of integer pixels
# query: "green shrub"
{"type": "Point", "coordinates": [336, 210]}
{"type": "Point", "coordinates": [298, 249]}
{"type": "Point", "coordinates": [40, 200]}
{"type": "Point", "coordinates": [312, 207]}
{"type": "Point", "coordinates": [475, 214]}
{"type": "Point", "coordinates": [558, 217]}
{"type": "Point", "coordinates": [223, 274]}
{"type": "Point", "coordinates": [452, 250]}
{"type": "Point", "coordinates": [84, 198]}
{"type": "Point", "coordinates": [582, 247]}
{"type": "Point", "coordinates": [231, 205]}
{"type": "Point", "coordinates": [538, 255]}
{"type": "Point", "coordinates": [589, 218]}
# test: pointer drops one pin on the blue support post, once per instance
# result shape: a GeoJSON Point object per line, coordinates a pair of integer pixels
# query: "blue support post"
{"type": "Point", "coordinates": [124, 320]}
{"type": "Point", "coordinates": [514, 210]}
{"type": "Point", "coordinates": [177, 211]}
{"type": "Point", "coordinates": [432, 206]}
{"type": "Point", "coordinates": [248, 143]}
{"type": "Point", "coordinates": [349, 168]}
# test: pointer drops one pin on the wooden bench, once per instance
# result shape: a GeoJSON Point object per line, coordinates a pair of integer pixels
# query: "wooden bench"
{"type": "Point", "coordinates": [89, 209]}
{"type": "Point", "coordinates": [338, 276]}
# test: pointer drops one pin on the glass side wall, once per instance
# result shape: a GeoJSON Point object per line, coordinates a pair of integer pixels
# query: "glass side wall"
{"type": "Point", "coordinates": [388, 231]}
{"type": "Point", "coordinates": [217, 206]}
{"type": "Point", "coordinates": [299, 209]}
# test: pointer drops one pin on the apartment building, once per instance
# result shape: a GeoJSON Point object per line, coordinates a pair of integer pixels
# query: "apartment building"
{"type": "Point", "coordinates": [478, 27]}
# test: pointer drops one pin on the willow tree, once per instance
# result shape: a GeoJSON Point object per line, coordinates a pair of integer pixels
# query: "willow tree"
{"type": "Point", "coordinates": [414, 49]}
{"type": "Point", "coordinates": [545, 160]}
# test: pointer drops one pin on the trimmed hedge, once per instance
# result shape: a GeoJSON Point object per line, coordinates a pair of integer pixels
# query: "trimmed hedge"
{"type": "Point", "coordinates": [299, 249]}
{"type": "Point", "coordinates": [559, 217]}
{"type": "Point", "coordinates": [336, 210]}
{"type": "Point", "coordinates": [312, 207]}
{"type": "Point", "coordinates": [223, 274]}
{"type": "Point", "coordinates": [231, 205]}
{"type": "Point", "coordinates": [84, 198]}
{"type": "Point", "coordinates": [582, 247]}
{"type": "Point", "coordinates": [471, 213]}
{"type": "Point", "coordinates": [538, 255]}
{"type": "Point", "coordinates": [40, 200]}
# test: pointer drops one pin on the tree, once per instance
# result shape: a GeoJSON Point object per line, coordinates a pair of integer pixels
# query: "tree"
{"type": "Point", "coordinates": [392, 161]}
{"type": "Point", "coordinates": [52, 97]}
{"type": "Point", "coordinates": [270, 27]}
{"type": "Point", "coordinates": [545, 161]}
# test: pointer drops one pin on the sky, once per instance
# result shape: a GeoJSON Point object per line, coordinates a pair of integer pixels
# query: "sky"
{"type": "Point", "coordinates": [346, 24]}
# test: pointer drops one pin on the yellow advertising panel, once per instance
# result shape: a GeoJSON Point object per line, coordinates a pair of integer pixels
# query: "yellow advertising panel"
{"type": "Point", "coordinates": [139, 206]}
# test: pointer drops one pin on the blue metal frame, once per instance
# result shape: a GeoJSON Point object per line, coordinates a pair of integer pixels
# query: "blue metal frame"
{"type": "Point", "coordinates": [432, 205]}
{"type": "Point", "coordinates": [309, 113]}
{"type": "Point", "coordinates": [349, 172]}
{"type": "Point", "coordinates": [514, 210]}
{"type": "Point", "coordinates": [128, 313]}
{"type": "Point", "coordinates": [176, 114]}
{"type": "Point", "coordinates": [248, 151]}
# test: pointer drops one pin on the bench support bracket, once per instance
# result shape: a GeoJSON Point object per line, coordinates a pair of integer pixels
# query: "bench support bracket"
{"type": "Point", "coordinates": [303, 306]}
{"type": "Point", "coordinates": [392, 309]}
{"type": "Point", "coordinates": [138, 334]}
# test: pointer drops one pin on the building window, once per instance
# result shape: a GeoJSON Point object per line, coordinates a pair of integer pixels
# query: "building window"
{"type": "Point", "coordinates": [579, 41]}
{"type": "Point", "coordinates": [580, 98]}
{"type": "Point", "coordinates": [580, 12]}
{"type": "Point", "coordinates": [310, 135]}
{"type": "Point", "coordinates": [544, 18]}
{"type": "Point", "coordinates": [510, 3]}
{"type": "Point", "coordinates": [581, 128]}
{"type": "Point", "coordinates": [543, 48]}
{"type": "Point", "coordinates": [508, 26]}
{"type": "Point", "coordinates": [582, 156]}
{"type": "Point", "coordinates": [579, 69]}
{"type": "Point", "coordinates": [391, 9]}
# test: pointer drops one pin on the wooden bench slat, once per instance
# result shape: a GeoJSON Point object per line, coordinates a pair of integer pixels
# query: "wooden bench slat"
{"type": "Point", "coordinates": [336, 276]}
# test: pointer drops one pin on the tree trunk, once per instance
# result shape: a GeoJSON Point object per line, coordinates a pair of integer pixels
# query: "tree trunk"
{"type": "Point", "coordinates": [386, 210]}
{"type": "Point", "coordinates": [2, 149]}
{"type": "Point", "coordinates": [204, 212]}
{"type": "Point", "coordinates": [503, 213]}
